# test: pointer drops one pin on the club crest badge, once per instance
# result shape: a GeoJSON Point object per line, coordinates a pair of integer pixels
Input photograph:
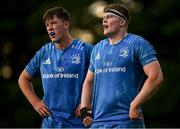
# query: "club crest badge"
{"type": "Point", "coordinates": [76, 59]}
{"type": "Point", "coordinates": [124, 52]}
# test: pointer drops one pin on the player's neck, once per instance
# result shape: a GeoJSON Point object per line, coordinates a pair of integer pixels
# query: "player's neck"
{"type": "Point", "coordinates": [65, 42]}
{"type": "Point", "coordinates": [114, 39]}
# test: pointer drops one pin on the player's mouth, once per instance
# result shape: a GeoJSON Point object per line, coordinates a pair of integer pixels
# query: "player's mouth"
{"type": "Point", "coordinates": [105, 27]}
{"type": "Point", "coordinates": [52, 34]}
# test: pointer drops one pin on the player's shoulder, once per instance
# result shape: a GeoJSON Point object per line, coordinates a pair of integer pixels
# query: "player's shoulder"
{"type": "Point", "coordinates": [136, 40]}
{"type": "Point", "coordinates": [48, 46]}
{"type": "Point", "coordinates": [84, 43]}
{"type": "Point", "coordinates": [101, 43]}
{"type": "Point", "coordinates": [80, 44]}
{"type": "Point", "coordinates": [135, 37]}
{"type": "Point", "coordinates": [140, 43]}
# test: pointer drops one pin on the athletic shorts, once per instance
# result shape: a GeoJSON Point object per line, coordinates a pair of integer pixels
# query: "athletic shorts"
{"type": "Point", "coordinates": [48, 122]}
{"type": "Point", "coordinates": [118, 125]}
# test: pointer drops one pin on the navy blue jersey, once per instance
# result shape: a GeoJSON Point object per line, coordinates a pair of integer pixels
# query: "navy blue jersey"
{"type": "Point", "coordinates": [118, 75]}
{"type": "Point", "coordinates": [62, 73]}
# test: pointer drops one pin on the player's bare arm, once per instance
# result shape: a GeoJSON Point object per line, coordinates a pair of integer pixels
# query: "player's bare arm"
{"type": "Point", "coordinates": [86, 99]}
{"type": "Point", "coordinates": [25, 84]}
{"type": "Point", "coordinates": [151, 85]}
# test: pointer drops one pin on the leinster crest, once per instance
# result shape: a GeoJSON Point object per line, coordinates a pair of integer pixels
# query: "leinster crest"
{"type": "Point", "coordinates": [124, 52]}
{"type": "Point", "coordinates": [75, 59]}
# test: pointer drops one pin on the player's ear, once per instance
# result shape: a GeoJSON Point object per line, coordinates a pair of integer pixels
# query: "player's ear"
{"type": "Point", "coordinates": [66, 25]}
{"type": "Point", "coordinates": [122, 22]}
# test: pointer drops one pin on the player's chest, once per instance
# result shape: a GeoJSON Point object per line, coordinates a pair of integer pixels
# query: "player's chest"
{"type": "Point", "coordinates": [62, 62]}
{"type": "Point", "coordinates": [113, 57]}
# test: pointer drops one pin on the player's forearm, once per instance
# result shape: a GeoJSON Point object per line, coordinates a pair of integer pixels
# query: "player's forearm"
{"type": "Point", "coordinates": [86, 94]}
{"type": "Point", "coordinates": [27, 89]}
{"type": "Point", "coordinates": [149, 88]}
{"type": "Point", "coordinates": [87, 90]}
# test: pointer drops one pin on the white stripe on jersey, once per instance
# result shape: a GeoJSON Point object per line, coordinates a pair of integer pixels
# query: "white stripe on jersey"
{"type": "Point", "coordinates": [79, 46]}
{"type": "Point", "coordinates": [132, 38]}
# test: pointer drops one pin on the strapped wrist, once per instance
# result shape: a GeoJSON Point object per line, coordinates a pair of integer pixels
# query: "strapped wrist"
{"type": "Point", "coordinates": [84, 112]}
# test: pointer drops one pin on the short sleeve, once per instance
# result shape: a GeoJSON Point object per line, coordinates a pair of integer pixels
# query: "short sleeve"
{"type": "Point", "coordinates": [92, 60]}
{"type": "Point", "coordinates": [145, 52]}
{"type": "Point", "coordinates": [34, 64]}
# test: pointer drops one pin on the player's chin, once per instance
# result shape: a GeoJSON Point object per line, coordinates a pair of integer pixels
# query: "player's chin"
{"type": "Point", "coordinates": [55, 40]}
{"type": "Point", "coordinates": [106, 33]}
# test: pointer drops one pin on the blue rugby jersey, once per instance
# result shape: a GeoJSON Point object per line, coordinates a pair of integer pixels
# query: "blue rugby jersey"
{"type": "Point", "coordinates": [118, 76]}
{"type": "Point", "coordinates": [62, 73]}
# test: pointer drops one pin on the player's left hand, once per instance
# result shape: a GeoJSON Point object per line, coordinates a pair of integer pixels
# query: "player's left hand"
{"type": "Point", "coordinates": [134, 113]}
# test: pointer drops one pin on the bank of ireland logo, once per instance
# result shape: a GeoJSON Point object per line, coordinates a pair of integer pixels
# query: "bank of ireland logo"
{"type": "Point", "coordinates": [107, 63]}
{"type": "Point", "coordinates": [60, 69]}
{"type": "Point", "coordinates": [75, 59]}
{"type": "Point", "coordinates": [124, 52]}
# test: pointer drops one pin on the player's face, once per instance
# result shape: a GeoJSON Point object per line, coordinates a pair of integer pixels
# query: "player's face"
{"type": "Point", "coordinates": [111, 24]}
{"type": "Point", "coordinates": [56, 29]}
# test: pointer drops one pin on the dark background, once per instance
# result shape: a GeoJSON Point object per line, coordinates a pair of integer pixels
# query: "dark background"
{"type": "Point", "coordinates": [22, 33]}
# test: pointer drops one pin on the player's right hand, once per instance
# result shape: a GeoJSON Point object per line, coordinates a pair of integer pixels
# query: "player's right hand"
{"type": "Point", "coordinates": [41, 108]}
{"type": "Point", "coordinates": [87, 121]}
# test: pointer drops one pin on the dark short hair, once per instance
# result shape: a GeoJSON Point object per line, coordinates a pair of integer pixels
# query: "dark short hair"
{"type": "Point", "coordinates": [119, 8]}
{"type": "Point", "coordinates": [56, 11]}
